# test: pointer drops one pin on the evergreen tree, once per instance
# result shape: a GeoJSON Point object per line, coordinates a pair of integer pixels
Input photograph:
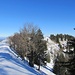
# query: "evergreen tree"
{"type": "Point", "coordinates": [52, 37]}
{"type": "Point", "coordinates": [71, 68]}
{"type": "Point", "coordinates": [41, 47]}
{"type": "Point", "coordinates": [61, 36]}
{"type": "Point", "coordinates": [57, 38]}
{"type": "Point", "coordinates": [65, 61]}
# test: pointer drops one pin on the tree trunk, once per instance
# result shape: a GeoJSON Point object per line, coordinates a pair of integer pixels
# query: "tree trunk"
{"type": "Point", "coordinates": [39, 65]}
{"type": "Point", "coordinates": [31, 59]}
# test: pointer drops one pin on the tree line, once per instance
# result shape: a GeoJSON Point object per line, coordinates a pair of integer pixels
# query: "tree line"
{"type": "Point", "coordinates": [62, 37]}
{"type": "Point", "coordinates": [29, 42]}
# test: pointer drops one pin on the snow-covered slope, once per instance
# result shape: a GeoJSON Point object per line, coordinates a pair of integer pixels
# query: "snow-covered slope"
{"type": "Point", "coordinates": [11, 65]}
{"type": "Point", "coordinates": [53, 49]}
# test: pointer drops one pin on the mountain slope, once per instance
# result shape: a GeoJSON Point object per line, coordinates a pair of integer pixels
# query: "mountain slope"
{"type": "Point", "coordinates": [11, 65]}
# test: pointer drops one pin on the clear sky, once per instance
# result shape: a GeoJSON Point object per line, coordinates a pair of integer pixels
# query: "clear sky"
{"type": "Point", "coordinates": [52, 16]}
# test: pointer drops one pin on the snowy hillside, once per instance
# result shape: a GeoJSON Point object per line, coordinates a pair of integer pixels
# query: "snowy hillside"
{"type": "Point", "coordinates": [11, 65]}
{"type": "Point", "coordinates": [53, 49]}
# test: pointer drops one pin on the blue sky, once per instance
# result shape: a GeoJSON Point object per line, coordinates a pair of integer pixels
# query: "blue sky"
{"type": "Point", "coordinates": [51, 16]}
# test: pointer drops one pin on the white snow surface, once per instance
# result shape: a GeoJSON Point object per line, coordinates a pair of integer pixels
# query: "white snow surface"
{"type": "Point", "coordinates": [11, 65]}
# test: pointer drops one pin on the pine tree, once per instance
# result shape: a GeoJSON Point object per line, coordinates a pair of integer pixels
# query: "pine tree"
{"type": "Point", "coordinates": [52, 37]}
{"type": "Point", "coordinates": [65, 62]}
{"type": "Point", "coordinates": [71, 68]}
{"type": "Point", "coordinates": [40, 48]}
{"type": "Point", "coordinates": [57, 38]}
